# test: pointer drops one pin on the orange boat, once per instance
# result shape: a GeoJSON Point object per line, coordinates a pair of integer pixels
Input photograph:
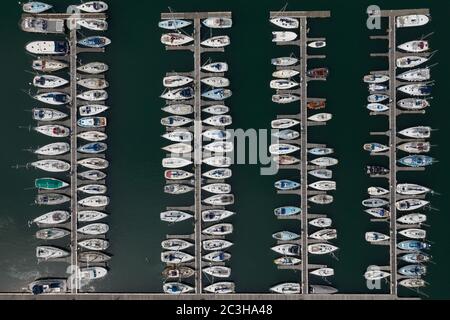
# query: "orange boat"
{"type": "Point", "coordinates": [316, 105]}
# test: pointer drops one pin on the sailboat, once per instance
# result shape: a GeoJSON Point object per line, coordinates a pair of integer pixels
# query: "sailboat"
{"type": "Point", "coordinates": [286, 22]}
{"type": "Point", "coordinates": [413, 20]}
{"type": "Point", "coordinates": [35, 7]}
{"type": "Point", "coordinates": [217, 42]}
{"type": "Point", "coordinates": [174, 24]}
{"type": "Point", "coordinates": [54, 149]}
{"type": "Point", "coordinates": [93, 7]}
{"type": "Point", "coordinates": [218, 23]}
{"type": "Point", "coordinates": [415, 46]}
{"type": "Point", "coordinates": [176, 39]}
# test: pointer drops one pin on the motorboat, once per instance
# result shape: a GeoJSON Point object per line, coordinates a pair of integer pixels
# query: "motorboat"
{"type": "Point", "coordinates": [418, 90]}
{"type": "Point", "coordinates": [48, 287]}
{"type": "Point", "coordinates": [47, 115]}
{"type": "Point", "coordinates": [93, 148]}
{"type": "Point", "coordinates": [285, 160]}
{"type": "Point", "coordinates": [218, 174]}
{"type": "Point", "coordinates": [376, 147]}
{"type": "Point", "coordinates": [217, 256]}
{"type": "Point", "coordinates": [51, 199]}
{"type": "Point", "coordinates": [287, 211]}
{"type": "Point", "coordinates": [321, 151]}
{"type": "Point", "coordinates": [220, 200]}
{"type": "Point", "coordinates": [35, 7]}
{"type": "Point", "coordinates": [413, 271]}
{"type": "Point", "coordinates": [287, 261]}
{"type": "Point", "coordinates": [379, 213]}
{"type": "Point", "coordinates": [95, 229]}
{"type": "Point", "coordinates": [91, 216]}
{"type": "Point", "coordinates": [92, 175]}
{"type": "Point", "coordinates": [321, 249]}
{"type": "Point", "coordinates": [321, 117]}
{"type": "Point", "coordinates": [285, 236]}
{"type": "Point", "coordinates": [286, 22]}
{"type": "Point", "coordinates": [417, 161]}
{"type": "Point", "coordinates": [283, 84]}
{"type": "Point", "coordinates": [286, 185]}
{"type": "Point", "coordinates": [285, 98]}
{"type": "Point", "coordinates": [412, 283]}
{"type": "Point", "coordinates": [53, 149]}
{"type": "Point", "coordinates": [316, 104]}
{"type": "Point", "coordinates": [377, 191]}
{"type": "Point", "coordinates": [413, 245]}
{"type": "Point", "coordinates": [53, 218]}
{"type": "Point", "coordinates": [417, 132]}
{"type": "Point", "coordinates": [377, 98]}
{"type": "Point", "coordinates": [376, 237]}
{"type": "Point", "coordinates": [177, 175]}
{"type": "Point", "coordinates": [318, 289]}
{"type": "Point", "coordinates": [290, 250]}
{"type": "Point", "coordinates": [375, 203]}
{"type": "Point", "coordinates": [177, 189]}
{"type": "Point", "coordinates": [318, 73]}
{"type": "Point", "coordinates": [416, 75]}
{"type": "Point", "coordinates": [93, 95]}
{"type": "Point", "coordinates": [214, 245]}
{"type": "Point", "coordinates": [376, 78]}
{"type": "Point", "coordinates": [218, 162]}
{"type": "Point", "coordinates": [417, 257]}
{"type": "Point", "coordinates": [287, 288]}
{"type": "Point", "coordinates": [48, 65]}
{"type": "Point", "coordinates": [286, 134]}
{"type": "Point", "coordinates": [92, 110]}
{"type": "Point", "coordinates": [283, 36]}
{"type": "Point", "coordinates": [93, 257]}
{"type": "Point", "coordinates": [218, 23]}
{"type": "Point", "coordinates": [377, 171]}
{"type": "Point", "coordinates": [374, 275]}
{"type": "Point", "coordinates": [415, 46]}
{"type": "Point", "coordinates": [285, 74]}
{"type": "Point", "coordinates": [174, 24]}
{"type": "Point", "coordinates": [94, 163]}
{"type": "Point", "coordinates": [94, 68]}
{"type": "Point", "coordinates": [284, 61]}
{"type": "Point", "coordinates": [94, 244]}
{"type": "Point", "coordinates": [220, 147]}
{"type": "Point", "coordinates": [220, 288]}
{"type": "Point", "coordinates": [377, 107]}
{"type": "Point", "coordinates": [179, 148]}
{"type": "Point", "coordinates": [217, 134]}
{"type": "Point", "coordinates": [416, 234]}
{"type": "Point", "coordinates": [217, 188]}
{"type": "Point", "coordinates": [50, 253]}
{"type": "Point", "coordinates": [323, 185]}
{"type": "Point", "coordinates": [284, 123]}
{"type": "Point", "coordinates": [216, 67]}
{"type": "Point", "coordinates": [216, 110]}
{"type": "Point", "coordinates": [217, 94]}
{"type": "Point", "coordinates": [317, 44]}
{"type": "Point", "coordinates": [321, 222]}
{"type": "Point", "coordinates": [52, 234]}
{"type": "Point", "coordinates": [218, 272]}
{"type": "Point", "coordinates": [95, 42]}
{"type": "Point", "coordinates": [178, 273]}
{"type": "Point", "coordinates": [179, 136]}
{"type": "Point", "coordinates": [321, 199]}
{"type": "Point", "coordinates": [321, 173]}
{"type": "Point", "coordinates": [176, 121]}
{"type": "Point", "coordinates": [93, 189]}
{"type": "Point", "coordinates": [176, 245]}
{"type": "Point", "coordinates": [92, 122]}
{"type": "Point", "coordinates": [175, 288]}
{"type": "Point", "coordinates": [324, 235]}
{"type": "Point", "coordinates": [93, 24]}
{"type": "Point", "coordinates": [219, 230]}
{"type": "Point", "coordinates": [415, 147]}
{"type": "Point", "coordinates": [412, 189]}
{"type": "Point", "coordinates": [94, 202]}
{"type": "Point", "coordinates": [413, 219]}
{"type": "Point", "coordinates": [93, 83]}
{"type": "Point", "coordinates": [216, 215]}
{"type": "Point", "coordinates": [184, 93]}
{"type": "Point", "coordinates": [175, 216]}
{"type": "Point", "coordinates": [49, 82]}
{"type": "Point", "coordinates": [323, 272]}
{"type": "Point", "coordinates": [282, 149]}
{"type": "Point", "coordinates": [54, 166]}
{"type": "Point", "coordinates": [50, 184]}
{"type": "Point", "coordinates": [48, 47]}
{"type": "Point", "coordinates": [412, 20]}
{"type": "Point", "coordinates": [217, 42]}
{"type": "Point", "coordinates": [53, 98]}
{"type": "Point", "coordinates": [325, 162]}
{"type": "Point", "coordinates": [92, 273]}
{"type": "Point", "coordinates": [93, 7]}
{"type": "Point", "coordinates": [410, 61]}
{"type": "Point", "coordinates": [176, 81]}
{"type": "Point", "coordinates": [175, 163]}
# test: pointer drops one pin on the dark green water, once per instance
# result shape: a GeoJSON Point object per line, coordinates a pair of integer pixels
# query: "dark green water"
{"type": "Point", "coordinates": [138, 62]}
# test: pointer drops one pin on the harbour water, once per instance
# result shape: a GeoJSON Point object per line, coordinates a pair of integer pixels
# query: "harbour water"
{"type": "Point", "coordinates": [138, 62]}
